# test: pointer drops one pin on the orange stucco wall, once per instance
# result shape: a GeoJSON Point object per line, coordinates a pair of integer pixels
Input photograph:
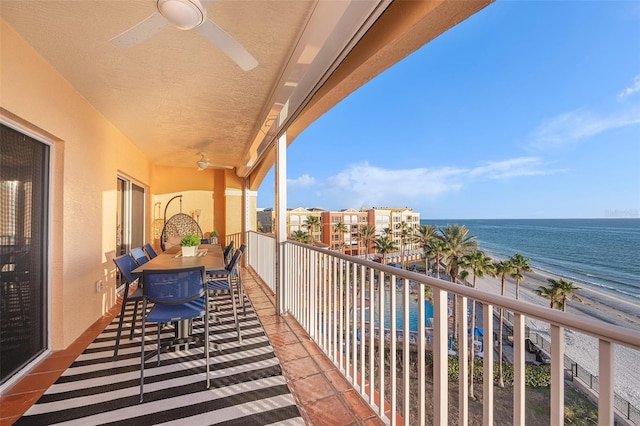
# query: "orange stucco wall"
{"type": "Point", "coordinates": [89, 153]}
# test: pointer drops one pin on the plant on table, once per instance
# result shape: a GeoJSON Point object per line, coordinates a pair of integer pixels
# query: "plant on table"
{"type": "Point", "coordinates": [190, 240]}
{"type": "Point", "coordinates": [190, 245]}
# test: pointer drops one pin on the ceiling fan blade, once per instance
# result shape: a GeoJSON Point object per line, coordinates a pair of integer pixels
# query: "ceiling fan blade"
{"type": "Point", "coordinates": [227, 44]}
{"type": "Point", "coordinates": [140, 32]}
{"type": "Point", "coordinates": [220, 166]}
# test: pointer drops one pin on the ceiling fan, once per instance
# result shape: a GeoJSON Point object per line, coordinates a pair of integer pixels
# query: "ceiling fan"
{"type": "Point", "coordinates": [186, 15]}
{"type": "Point", "coordinates": [204, 163]}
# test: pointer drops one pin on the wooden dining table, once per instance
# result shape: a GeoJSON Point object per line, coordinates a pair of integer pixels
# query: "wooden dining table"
{"type": "Point", "coordinates": [209, 255]}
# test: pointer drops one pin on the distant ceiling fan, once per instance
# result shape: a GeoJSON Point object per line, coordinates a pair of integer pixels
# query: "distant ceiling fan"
{"type": "Point", "coordinates": [204, 163]}
{"type": "Point", "coordinates": [186, 15]}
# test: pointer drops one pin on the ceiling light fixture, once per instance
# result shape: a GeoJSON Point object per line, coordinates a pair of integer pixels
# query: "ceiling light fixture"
{"type": "Point", "coordinates": [183, 14]}
{"type": "Point", "coordinates": [203, 163]}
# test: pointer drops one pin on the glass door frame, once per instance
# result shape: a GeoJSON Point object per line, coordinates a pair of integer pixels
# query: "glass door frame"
{"type": "Point", "coordinates": [47, 234]}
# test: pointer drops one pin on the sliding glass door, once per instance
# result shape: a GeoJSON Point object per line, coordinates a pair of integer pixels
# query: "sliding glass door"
{"type": "Point", "coordinates": [129, 216]}
{"type": "Point", "coordinates": [24, 218]}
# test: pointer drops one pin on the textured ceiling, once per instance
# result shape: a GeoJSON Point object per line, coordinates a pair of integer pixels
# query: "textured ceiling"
{"type": "Point", "coordinates": [177, 94]}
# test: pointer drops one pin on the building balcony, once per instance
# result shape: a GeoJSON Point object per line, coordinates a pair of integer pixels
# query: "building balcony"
{"type": "Point", "coordinates": [341, 368]}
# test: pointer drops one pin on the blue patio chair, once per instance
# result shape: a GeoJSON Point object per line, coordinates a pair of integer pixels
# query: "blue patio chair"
{"type": "Point", "coordinates": [228, 250]}
{"type": "Point", "coordinates": [225, 284]}
{"type": "Point", "coordinates": [126, 265]}
{"type": "Point", "coordinates": [205, 240]}
{"type": "Point", "coordinates": [150, 251]}
{"type": "Point", "coordinates": [177, 295]}
{"type": "Point", "coordinates": [139, 256]}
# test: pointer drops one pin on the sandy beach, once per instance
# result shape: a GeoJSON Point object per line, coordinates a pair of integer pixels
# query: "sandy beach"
{"type": "Point", "coordinates": [583, 349]}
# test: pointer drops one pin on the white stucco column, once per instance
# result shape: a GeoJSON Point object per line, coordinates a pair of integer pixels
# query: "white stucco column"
{"type": "Point", "coordinates": [281, 219]}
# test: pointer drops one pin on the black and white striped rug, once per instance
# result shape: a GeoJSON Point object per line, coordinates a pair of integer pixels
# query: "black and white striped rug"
{"type": "Point", "coordinates": [247, 386]}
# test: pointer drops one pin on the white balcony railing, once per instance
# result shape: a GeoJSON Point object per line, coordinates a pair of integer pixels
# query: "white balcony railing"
{"type": "Point", "coordinates": [325, 290]}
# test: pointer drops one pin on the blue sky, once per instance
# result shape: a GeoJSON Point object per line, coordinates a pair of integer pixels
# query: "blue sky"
{"type": "Point", "coordinates": [529, 109]}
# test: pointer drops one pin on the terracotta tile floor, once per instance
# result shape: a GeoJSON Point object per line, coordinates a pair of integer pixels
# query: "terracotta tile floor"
{"type": "Point", "coordinates": [323, 395]}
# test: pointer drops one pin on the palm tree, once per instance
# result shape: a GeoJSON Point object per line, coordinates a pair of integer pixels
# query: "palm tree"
{"type": "Point", "coordinates": [566, 292]}
{"type": "Point", "coordinates": [457, 243]}
{"type": "Point", "coordinates": [479, 263]}
{"type": "Point", "coordinates": [437, 249]}
{"type": "Point", "coordinates": [301, 237]}
{"type": "Point", "coordinates": [425, 234]}
{"type": "Point", "coordinates": [520, 265]}
{"type": "Point", "coordinates": [502, 268]}
{"type": "Point", "coordinates": [341, 228]}
{"type": "Point", "coordinates": [312, 223]}
{"type": "Point", "coordinates": [366, 235]}
{"type": "Point", "coordinates": [383, 245]}
{"type": "Point", "coordinates": [551, 292]}
{"type": "Point", "coordinates": [406, 236]}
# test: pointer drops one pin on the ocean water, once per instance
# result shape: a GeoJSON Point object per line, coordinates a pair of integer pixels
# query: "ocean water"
{"type": "Point", "coordinates": [601, 254]}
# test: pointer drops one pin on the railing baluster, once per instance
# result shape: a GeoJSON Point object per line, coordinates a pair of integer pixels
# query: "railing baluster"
{"type": "Point", "coordinates": [518, 370]}
{"type": "Point", "coordinates": [406, 365]}
{"type": "Point", "coordinates": [557, 375]}
{"type": "Point", "coordinates": [605, 390]}
{"type": "Point", "coordinates": [487, 364]}
{"type": "Point", "coordinates": [422, 349]}
{"type": "Point", "coordinates": [463, 361]}
{"type": "Point", "coordinates": [363, 332]}
{"type": "Point", "coordinates": [372, 334]}
{"type": "Point", "coordinates": [381, 386]}
{"type": "Point", "coordinates": [440, 357]}
{"type": "Point", "coordinates": [392, 348]}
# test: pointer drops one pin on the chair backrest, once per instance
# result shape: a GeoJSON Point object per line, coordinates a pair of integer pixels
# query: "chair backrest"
{"type": "Point", "coordinates": [150, 251]}
{"type": "Point", "coordinates": [232, 266]}
{"type": "Point", "coordinates": [227, 253]}
{"type": "Point", "coordinates": [126, 265]}
{"type": "Point", "coordinates": [175, 286]}
{"type": "Point", "coordinates": [139, 256]}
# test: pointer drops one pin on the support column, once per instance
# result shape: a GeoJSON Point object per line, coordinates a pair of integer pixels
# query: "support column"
{"type": "Point", "coordinates": [281, 219]}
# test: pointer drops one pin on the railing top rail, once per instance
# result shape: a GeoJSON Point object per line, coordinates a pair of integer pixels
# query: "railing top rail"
{"type": "Point", "coordinates": [596, 328]}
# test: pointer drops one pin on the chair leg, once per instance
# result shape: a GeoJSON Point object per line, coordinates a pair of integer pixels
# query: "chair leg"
{"type": "Point", "coordinates": [144, 310]}
{"type": "Point", "coordinates": [206, 338]}
{"type": "Point", "coordinates": [235, 310]}
{"type": "Point", "coordinates": [119, 332]}
{"type": "Point", "coordinates": [159, 327]}
{"type": "Point", "coordinates": [133, 320]}
{"type": "Point", "coordinates": [241, 295]}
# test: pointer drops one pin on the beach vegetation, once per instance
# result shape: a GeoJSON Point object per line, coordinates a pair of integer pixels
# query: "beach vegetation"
{"type": "Point", "coordinates": [559, 292]}
{"type": "Point", "coordinates": [424, 236]}
{"type": "Point", "coordinates": [366, 235]}
{"type": "Point", "coordinates": [551, 293]}
{"type": "Point", "coordinates": [340, 228]}
{"type": "Point", "coordinates": [312, 223]}
{"type": "Point", "coordinates": [406, 237]}
{"type": "Point", "coordinates": [479, 264]}
{"type": "Point", "coordinates": [520, 264]}
{"type": "Point", "coordinates": [457, 243]}
{"type": "Point", "coordinates": [502, 269]}
{"type": "Point", "coordinates": [383, 245]}
{"type": "Point", "coordinates": [301, 237]}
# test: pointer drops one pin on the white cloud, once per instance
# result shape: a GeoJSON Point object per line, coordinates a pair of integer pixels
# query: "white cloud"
{"type": "Point", "coordinates": [303, 182]}
{"type": "Point", "coordinates": [634, 88]}
{"type": "Point", "coordinates": [577, 125]}
{"type": "Point", "coordinates": [364, 185]}
{"type": "Point", "coordinates": [521, 166]}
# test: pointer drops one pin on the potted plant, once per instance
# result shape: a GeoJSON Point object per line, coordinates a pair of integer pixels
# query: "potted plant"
{"type": "Point", "coordinates": [189, 244]}
{"type": "Point", "coordinates": [214, 237]}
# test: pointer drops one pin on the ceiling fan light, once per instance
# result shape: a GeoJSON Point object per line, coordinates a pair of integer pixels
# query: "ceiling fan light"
{"type": "Point", "coordinates": [202, 164]}
{"type": "Point", "coordinates": [183, 14]}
